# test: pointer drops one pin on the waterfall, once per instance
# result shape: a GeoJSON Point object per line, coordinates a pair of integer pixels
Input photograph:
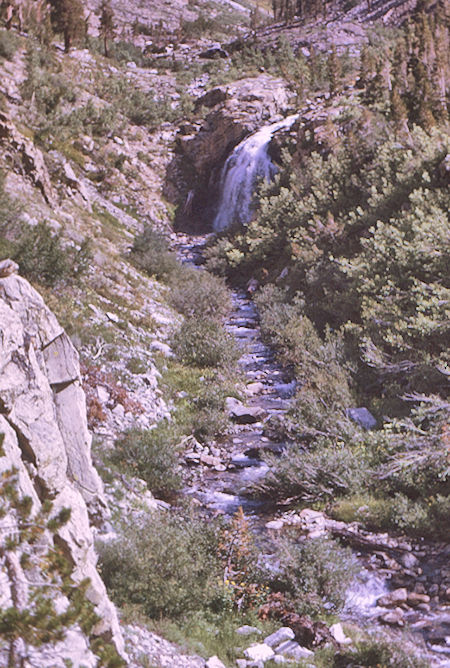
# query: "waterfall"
{"type": "Point", "coordinates": [248, 163]}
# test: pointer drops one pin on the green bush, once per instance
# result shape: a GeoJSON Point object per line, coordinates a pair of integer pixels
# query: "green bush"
{"type": "Point", "coordinates": [376, 652]}
{"type": "Point", "coordinates": [328, 471]}
{"type": "Point", "coordinates": [200, 294]}
{"type": "Point", "coordinates": [150, 252]}
{"type": "Point", "coordinates": [315, 574]}
{"type": "Point", "coordinates": [42, 257]}
{"type": "Point", "coordinates": [9, 43]}
{"type": "Point", "coordinates": [204, 343]}
{"type": "Point", "coordinates": [167, 566]}
{"type": "Point", "coordinates": [152, 455]}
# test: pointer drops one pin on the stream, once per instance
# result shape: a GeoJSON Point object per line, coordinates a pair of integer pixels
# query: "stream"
{"type": "Point", "coordinates": [224, 470]}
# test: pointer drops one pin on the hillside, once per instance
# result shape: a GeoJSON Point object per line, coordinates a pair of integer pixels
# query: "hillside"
{"type": "Point", "coordinates": [301, 374]}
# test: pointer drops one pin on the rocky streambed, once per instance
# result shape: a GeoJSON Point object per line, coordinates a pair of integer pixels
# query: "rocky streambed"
{"type": "Point", "coordinates": [402, 584]}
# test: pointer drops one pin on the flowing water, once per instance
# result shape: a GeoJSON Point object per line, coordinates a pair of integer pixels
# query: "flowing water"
{"type": "Point", "coordinates": [248, 163]}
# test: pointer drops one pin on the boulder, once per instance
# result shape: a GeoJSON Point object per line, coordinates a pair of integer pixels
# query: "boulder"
{"type": "Point", "coordinates": [260, 652]}
{"type": "Point", "coordinates": [243, 414]}
{"type": "Point", "coordinates": [394, 618]}
{"type": "Point", "coordinates": [293, 650]}
{"type": "Point", "coordinates": [392, 599]}
{"type": "Point", "coordinates": [279, 636]}
{"type": "Point", "coordinates": [214, 662]}
{"type": "Point", "coordinates": [338, 634]}
{"type": "Point", "coordinates": [363, 417]}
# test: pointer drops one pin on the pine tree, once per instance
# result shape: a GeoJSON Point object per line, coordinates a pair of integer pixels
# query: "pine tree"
{"type": "Point", "coordinates": [67, 17]}
{"type": "Point", "coordinates": [107, 24]}
{"type": "Point", "coordinates": [334, 71]}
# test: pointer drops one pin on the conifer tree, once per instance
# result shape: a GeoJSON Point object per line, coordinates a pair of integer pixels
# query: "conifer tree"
{"type": "Point", "coordinates": [67, 17]}
{"type": "Point", "coordinates": [334, 71]}
{"type": "Point", "coordinates": [107, 24]}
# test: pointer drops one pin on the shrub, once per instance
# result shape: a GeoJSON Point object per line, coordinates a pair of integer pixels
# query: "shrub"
{"type": "Point", "coordinates": [315, 574]}
{"type": "Point", "coordinates": [378, 651]}
{"type": "Point", "coordinates": [150, 252]}
{"type": "Point", "coordinates": [152, 455]}
{"type": "Point", "coordinates": [317, 475]}
{"type": "Point", "coordinates": [42, 257]}
{"type": "Point", "coordinates": [205, 343]}
{"type": "Point", "coordinates": [9, 43]}
{"type": "Point", "coordinates": [200, 294]}
{"type": "Point", "coordinates": [167, 565]}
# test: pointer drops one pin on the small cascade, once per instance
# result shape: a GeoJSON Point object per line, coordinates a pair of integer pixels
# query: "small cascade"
{"type": "Point", "coordinates": [248, 163]}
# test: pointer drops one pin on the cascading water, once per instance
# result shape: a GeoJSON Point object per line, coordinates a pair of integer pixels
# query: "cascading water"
{"type": "Point", "coordinates": [248, 163]}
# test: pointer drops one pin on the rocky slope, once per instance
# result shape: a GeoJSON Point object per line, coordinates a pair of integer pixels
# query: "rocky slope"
{"type": "Point", "coordinates": [43, 419]}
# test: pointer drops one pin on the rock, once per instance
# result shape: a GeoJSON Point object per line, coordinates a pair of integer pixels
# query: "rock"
{"type": "Point", "coordinates": [209, 460]}
{"type": "Point", "coordinates": [242, 414]}
{"type": "Point", "coordinates": [274, 525]}
{"type": "Point", "coordinates": [213, 52]}
{"type": "Point", "coordinates": [394, 618]}
{"type": "Point", "coordinates": [284, 633]}
{"type": "Point", "coordinates": [408, 560]}
{"type": "Point", "coordinates": [46, 436]}
{"type": "Point", "coordinates": [27, 157]}
{"type": "Point", "coordinates": [8, 267]}
{"type": "Point", "coordinates": [393, 598]}
{"type": "Point", "coordinates": [162, 348]}
{"type": "Point", "coordinates": [415, 598]}
{"type": "Point", "coordinates": [293, 650]}
{"type": "Point", "coordinates": [363, 417]}
{"type": "Point", "coordinates": [247, 630]}
{"type": "Point", "coordinates": [254, 388]}
{"type": "Point", "coordinates": [241, 663]}
{"type": "Point", "coordinates": [214, 662]}
{"type": "Point", "coordinates": [260, 652]}
{"type": "Point", "coordinates": [338, 634]}
{"type": "Point", "coordinates": [278, 660]}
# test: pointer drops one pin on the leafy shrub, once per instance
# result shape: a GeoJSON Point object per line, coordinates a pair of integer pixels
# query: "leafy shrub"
{"type": "Point", "coordinates": [167, 566]}
{"type": "Point", "coordinates": [152, 455]}
{"type": "Point", "coordinates": [150, 252]}
{"type": "Point", "coordinates": [205, 343]}
{"type": "Point", "coordinates": [378, 651]}
{"type": "Point", "coordinates": [9, 43]}
{"type": "Point", "coordinates": [42, 257]}
{"type": "Point", "coordinates": [315, 574]}
{"type": "Point", "coordinates": [200, 294]}
{"type": "Point", "coordinates": [310, 476]}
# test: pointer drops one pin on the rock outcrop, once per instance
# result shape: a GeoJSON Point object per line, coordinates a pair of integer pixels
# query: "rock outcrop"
{"type": "Point", "coordinates": [43, 419]}
{"type": "Point", "coordinates": [31, 159]}
{"type": "Point", "coordinates": [236, 110]}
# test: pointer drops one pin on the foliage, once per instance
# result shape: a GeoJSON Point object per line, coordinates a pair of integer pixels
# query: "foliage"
{"type": "Point", "coordinates": [377, 651]}
{"type": "Point", "coordinates": [323, 474]}
{"type": "Point", "coordinates": [150, 252]}
{"type": "Point", "coordinates": [151, 454]}
{"type": "Point", "coordinates": [205, 343]}
{"type": "Point", "coordinates": [242, 580]}
{"type": "Point", "coordinates": [42, 257]}
{"type": "Point", "coordinates": [67, 17]}
{"type": "Point", "coordinates": [315, 574]}
{"type": "Point", "coordinates": [9, 44]}
{"type": "Point", "coordinates": [167, 565]}
{"type": "Point", "coordinates": [200, 294]}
